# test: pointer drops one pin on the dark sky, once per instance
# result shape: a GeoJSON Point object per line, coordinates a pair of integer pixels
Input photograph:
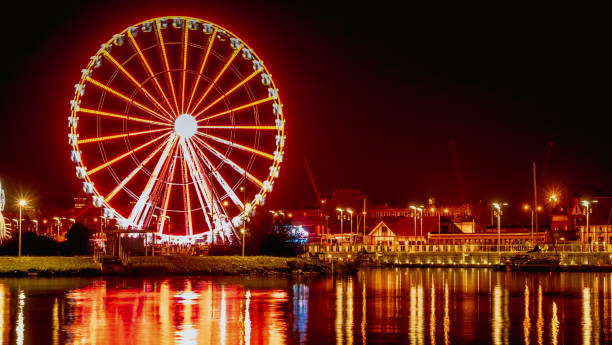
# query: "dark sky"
{"type": "Point", "coordinates": [373, 94]}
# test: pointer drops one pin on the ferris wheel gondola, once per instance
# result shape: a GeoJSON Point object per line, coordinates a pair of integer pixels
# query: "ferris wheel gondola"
{"type": "Point", "coordinates": [177, 124]}
{"type": "Point", "coordinates": [3, 232]}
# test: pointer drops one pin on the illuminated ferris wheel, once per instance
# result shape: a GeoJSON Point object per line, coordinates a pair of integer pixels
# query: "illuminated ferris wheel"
{"type": "Point", "coordinates": [177, 125]}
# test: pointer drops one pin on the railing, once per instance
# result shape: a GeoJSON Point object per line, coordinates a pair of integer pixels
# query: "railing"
{"type": "Point", "coordinates": [452, 248]}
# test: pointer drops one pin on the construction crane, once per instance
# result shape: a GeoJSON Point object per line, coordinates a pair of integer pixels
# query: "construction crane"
{"type": "Point", "coordinates": [312, 181]}
{"type": "Point", "coordinates": [458, 174]}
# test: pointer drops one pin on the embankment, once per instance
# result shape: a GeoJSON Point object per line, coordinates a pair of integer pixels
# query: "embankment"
{"type": "Point", "coordinates": [167, 265]}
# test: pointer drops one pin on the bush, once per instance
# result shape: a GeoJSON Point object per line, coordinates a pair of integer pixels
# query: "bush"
{"type": "Point", "coordinates": [78, 240]}
{"type": "Point", "coordinates": [225, 249]}
{"type": "Point", "coordinates": [31, 244]}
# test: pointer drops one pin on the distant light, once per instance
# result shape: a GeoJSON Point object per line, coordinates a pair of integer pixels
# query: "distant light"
{"type": "Point", "coordinates": [526, 207]}
{"type": "Point", "coordinates": [22, 202]}
{"type": "Point", "coordinates": [225, 203]}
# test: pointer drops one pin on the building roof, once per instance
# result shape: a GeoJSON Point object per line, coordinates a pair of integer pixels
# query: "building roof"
{"type": "Point", "coordinates": [405, 226]}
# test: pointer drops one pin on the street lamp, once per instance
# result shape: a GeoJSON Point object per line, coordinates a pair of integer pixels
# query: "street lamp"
{"type": "Point", "coordinates": [341, 218]}
{"type": "Point", "coordinates": [529, 208]}
{"type": "Point", "coordinates": [415, 211]}
{"type": "Point", "coordinates": [553, 199]}
{"type": "Point", "coordinates": [351, 215]}
{"type": "Point", "coordinates": [22, 204]}
{"type": "Point", "coordinates": [497, 209]}
{"type": "Point", "coordinates": [587, 209]}
{"type": "Point", "coordinates": [58, 226]}
{"type": "Point", "coordinates": [420, 209]}
{"type": "Point", "coordinates": [242, 232]}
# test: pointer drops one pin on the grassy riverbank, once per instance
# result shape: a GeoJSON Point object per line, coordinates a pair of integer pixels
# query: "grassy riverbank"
{"type": "Point", "coordinates": [48, 265]}
{"type": "Point", "coordinates": [220, 265]}
{"type": "Point", "coordinates": [166, 265]}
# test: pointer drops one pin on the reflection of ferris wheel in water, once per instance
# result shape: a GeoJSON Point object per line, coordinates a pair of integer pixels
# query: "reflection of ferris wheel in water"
{"type": "Point", "coordinates": [177, 124]}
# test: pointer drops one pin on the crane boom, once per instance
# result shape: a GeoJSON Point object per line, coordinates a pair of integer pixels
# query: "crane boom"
{"type": "Point", "coordinates": [314, 186]}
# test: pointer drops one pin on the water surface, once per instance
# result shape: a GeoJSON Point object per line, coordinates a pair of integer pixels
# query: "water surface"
{"type": "Point", "coordinates": [408, 306]}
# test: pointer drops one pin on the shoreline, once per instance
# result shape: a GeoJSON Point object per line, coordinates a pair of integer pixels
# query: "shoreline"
{"type": "Point", "coordinates": [141, 266]}
{"type": "Point", "coordinates": [11, 266]}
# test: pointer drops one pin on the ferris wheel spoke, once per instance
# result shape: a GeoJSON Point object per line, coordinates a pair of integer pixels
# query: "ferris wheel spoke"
{"type": "Point", "coordinates": [240, 170]}
{"type": "Point", "coordinates": [131, 175]}
{"type": "Point", "coordinates": [162, 47]}
{"type": "Point", "coordinates": [166, 200]}
{"type": "Point", "coordinates": [137, 84]}
{"type": "Point", "coordinates": [242, 82]}
{"type": "Point", "coordinates": [120, 157]}
{"type": "Point", "coordinates": [118, 136]}
{"type": "Point", "coordinates": [245, 106]}
{"type": "Point", "coordinates": [126, 98]}
{"type": "Point", "coordinates": [139, 212]}
{"type": "Point", "coordinates": [212, 83]}
{"type": "Point", "coordinates": [239, 127]}
{"type": "Point", "coordinates": [186, 197]}
{"type": "Point", "coordinates": [230, 192]}
{"type": "Point", "coordinates": [211, 40]}
{"type": "Point", "coordinates": [149, 70]}
{"type": "Point", "coordinates": [202, 186]}
{"type": "Point", "coordinates": [119, 116]}
{"type": "Point", "coordinates": [238, 146]}
{"type": "Point", "coordinates": [183, 76]}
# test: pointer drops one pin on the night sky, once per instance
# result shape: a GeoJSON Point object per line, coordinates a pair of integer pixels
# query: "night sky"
{"type": "Point", "coordinates": [373, 94]}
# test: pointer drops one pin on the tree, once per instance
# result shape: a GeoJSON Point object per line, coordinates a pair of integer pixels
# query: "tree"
{"type": "Point", "coordinates": [78, 240]}
{"type": "Point", "coordinates": [269, 234]}
{"type": "Point", "coordinates": [344, 199]}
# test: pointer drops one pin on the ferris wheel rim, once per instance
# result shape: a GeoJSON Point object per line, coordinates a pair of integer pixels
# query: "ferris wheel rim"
{"type": "Point", "coordinates": [168, 120]}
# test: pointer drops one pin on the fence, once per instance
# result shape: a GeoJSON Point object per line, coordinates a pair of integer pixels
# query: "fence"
{"type": "Point", "coordinates": [452, 248]}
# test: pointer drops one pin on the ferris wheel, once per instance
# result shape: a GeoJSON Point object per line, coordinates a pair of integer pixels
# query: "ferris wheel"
{"type": "Point", "coordinates": [177, 125]}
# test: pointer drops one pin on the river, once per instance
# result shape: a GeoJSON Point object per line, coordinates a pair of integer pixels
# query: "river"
{"type": "Point", "coordinates": [377, 306]}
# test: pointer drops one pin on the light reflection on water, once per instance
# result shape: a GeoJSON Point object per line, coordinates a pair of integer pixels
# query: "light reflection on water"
{"type": "Point", "coordinates": [415, 306]}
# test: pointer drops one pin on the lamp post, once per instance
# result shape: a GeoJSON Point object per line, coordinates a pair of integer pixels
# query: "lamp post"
{"type": "Point", "coordinates": [420, 208]}
{"type": "Point", "coordinates": [22, 204]}
{"type": "Point", "coordinates": [415, 211]}
{"type": "Point", "coordinates": [587, 211]}
{"type": "Point", "coordinates": [351, 215]}
{"type": "Point", "coordinates": [341, 218]}
{"type": "Point", "coordinates": [242, 231]}
{"type": "Point", "coordinates": [497, 209]}
{"type": "Point", "coordinates": [57, 219]}
{"type": "Point", "coordinates": [528, 208]}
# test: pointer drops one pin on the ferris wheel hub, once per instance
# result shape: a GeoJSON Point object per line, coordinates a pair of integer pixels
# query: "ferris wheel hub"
{"type": "Point", "coordinates": [185, 126]}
